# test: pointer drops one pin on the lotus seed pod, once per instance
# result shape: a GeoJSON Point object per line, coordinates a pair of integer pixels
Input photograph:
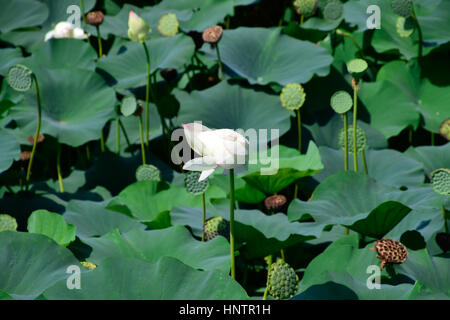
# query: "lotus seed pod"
{"type": "Point", "coordinates": [440, 181]}
{"type": "Point", "coordinates": [333, 10]}
{"type": "Point", "coordinates": [402, 7]}
{"type": "Point", "coordinates": [168, 25]}
{"type": "Point", "coordinates": [443, 241]}
{"type": "Point", "coordinates": [148, 172]}
{"type": "Point", "coordinates": [357, 67]}
{"type": "Point", "coordinates": [282, 281]}
{"type": "Point", "coordinates": [275, 202]}
{"type": "Point", "coordinates": [404, 27]}
{"type": "Point", "coordinates": [193, 185]}
{"type": "Point", "coordinates": [7, 223]}
{"type": "Point", "coordinates": [128, 106]}
{"type": "Point", "coordinates": [390, 251]}
{"type": "Point", "coordinates": [341, 102]}
{"type": "Point", "coordinates": [217, 226]}
{"type": "Point", "coordinates": [444, 129]}
{"type": "Point", "coordinates": [360, 139]}
{"type": "Point", "coordinates": [19, 77]}
{"type": "Point", "coordinates": [305, 7]}
{"type": "Point", "coordinates": [212, 34]}
{"type": "Point", "coordinates": [95, 18]}
{"type": "Point", "coordinates": [292, 96]}
{"type": "Point", "coordinates": [89, 265]}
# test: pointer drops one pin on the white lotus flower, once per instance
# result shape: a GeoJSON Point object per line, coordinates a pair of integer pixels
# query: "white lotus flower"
{"type": "Point", "coordinates": [137, 28]}
{"type": "Point", "coordinates": [223, 148]}
{"type": "Point", "coordinates": [65, 29]}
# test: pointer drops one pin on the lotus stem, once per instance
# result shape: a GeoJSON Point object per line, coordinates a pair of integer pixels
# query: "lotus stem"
{"type": "Point", "coordinates": [355, 112]}
{"type": "Point", "coordinates": [58, 168]}
{"type": "Point", "coordinates": [444, 215]}
{"type": "Point", "coordinates": [269, 263]}
{"type": "Point", "coordinates": [219, 61]}
{"type": "Point", "coordinates": [299, 132]}
{"type": "Point", "coordinates": [302, 19]}
{"type": "Point", "coordinates": [227, 22]}
{"type": "Point", "coordinates": [410, 138]}
{"type": "Point", "coordinates": [419, 31]}
{"type": "Point", "coordinates": [283, 255]}
{"type": "Point", "coordinates": [38, 129]}
{"type": "Point", "coordinates": [363, 156]}
{"type": "Point", "coordinates": [99, 39]}
{"type": "Point", "coordinates": [233, 266]}
{"type": "Point", "coordinates": [203, 216]}
{"type": "Point", "coordinates": [141, 135]}
{"type": "Point", "coordinates": [84, 17]}
{"type": "Point", "coordinates": [147, 97]}
{"type": "Point", "coordinates": [88, 152]}
{"type": "Point", "coordinates": [118, 136]}
{"type": "Point", "coordinates": [346, 141]}
{"type": "Point", "coordinates": [102, 141]}
{"type": "Point", "coordinates": [347, 231]}
{"type": "Point", "coordinates": [124, 133]}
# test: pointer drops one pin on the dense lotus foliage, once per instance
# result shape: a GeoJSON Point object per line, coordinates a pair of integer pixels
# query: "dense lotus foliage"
{"type": "Point", "coordinates": [344, 104]}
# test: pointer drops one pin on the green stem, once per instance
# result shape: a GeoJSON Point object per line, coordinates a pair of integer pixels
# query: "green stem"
{"type": "Point", "coordinates": [88, 152]}
{"type": "Point", "coordinates": [219, 61]}
{"type": "Point", "coordinates": [102, 141]}
{"type": "Point", "coordinates": [203, 216]}
{"type": "Point", "coordinates": [355, 112]}
{"type": "Point", "coordinates": [299, 132]}
{"type": "Point", "coordinates": [363, 156]}
{"type": "Point", "coordinates": [118, 136]}
{"type": "Point", "coordinates": [346, 231]}
{"type": "Point", "coordinates": [233, 267]}
{"type": "Point", "coordinates": [99, 39]}
{"type": "Point", "coordinates": [147, 97]}
{"type": "Point", "coordinates": [302, 19]}
{"type": "Point", "coordinates": [346, 141]}
{"type": "Point", "coordinates": [269, 263]}
{"type": "Point", "coordinates": [141, 134]}
{"type": "Point", "coordinates": [445, 218]}
{"type": "Point", "coordinates": [58, 168]}
{"type": "Point", "coordinates": [419, 30]}
{"type": "Point", "coordinates": [124, 133]}
{"type": "Point", "coordinates": [283, 255]}
{"type": "Point", "coordinates": [410, 134]}
{"type": "Point", "coordinates": [38, 128]}
{"type": "Point", "coordinates": [84, 16]}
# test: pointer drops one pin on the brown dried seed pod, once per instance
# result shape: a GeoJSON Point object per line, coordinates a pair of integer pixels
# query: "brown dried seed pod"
{"type": "Point", "coordinates": [139, 109]}
{"type": "Point", "coordinates": [95, 18]}
{"type": "Point", "coordinates": [25, 155]}
{"type": "Point", "coordinates": [390, 251]}
{"type": "Point", "coordinates": [275, 202]}
{"type": "Point", "coordinates": [40, 138]}
{"type": "Point", "coordinates": [212, 34]}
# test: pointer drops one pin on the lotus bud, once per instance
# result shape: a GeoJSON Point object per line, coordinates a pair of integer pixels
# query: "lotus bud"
{"type": "Point", "coordinates": [137, 28]}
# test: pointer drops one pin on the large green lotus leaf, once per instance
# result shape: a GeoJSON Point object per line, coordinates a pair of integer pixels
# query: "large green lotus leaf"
{"type": "Point", "coordinates": [165, 279]}
{"type": "Point", "coordinates": [321, 24]}
{"type": "Point", "coordinates": [432, 157]}
{"type": "Point", "coordinates": [345, 264]}
{"type": "Point", "coordinates": [145, 200]}
{"type": "Point", "coordinates": [131, 126]}
{"type": "Point", "coordinates": [151, 245]}
{"type": "Point", "coordinates": [51, 225]}
{"type": "Point", "coordinates": [273, 173]}
{"type": "Point", "coordinates": [93, 219]}
{"type": "Point", "coordinates": [9, 150]}
{"type": "Point", "coordinates": [387, 166]}
{"type": "Point", "coordinates": [347, 197]}
{"type": "Point", "coordinates": [31, 263]}
{"type": "Point", "coordinates": [128, 65]}
{"type": "Point", "coordinates": [264, 55]}
{"type": "Point", "coordinates": [9, 57]}
{"type": "Point", "coordinates": [64, 54]}
{"type": "Point", "coordinates": [432, 271]}
{"type": "Point", "coordinates": [5, 296]}
{"type": "Point", "coordinates": [259, 233]}
{"type": "Point", "coordinates": [75, 105]}
{"type": "Point", "coordinates": [233, 107]}
{"type": "Point", "coordinates": [433, 20]}
{"type": "Point", "coordinates": [327, 135]}
{"type": "Point", "coordinates": [398, 84]}
{"type": "Point", "coordinates": [22, 14]}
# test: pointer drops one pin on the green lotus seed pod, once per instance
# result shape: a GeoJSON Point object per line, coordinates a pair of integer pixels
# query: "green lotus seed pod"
{"type": "Point", "coordinates": [217, 226]}
{"type": "Point", "coordinates": [7, 223]}
{"type": "Point", "coordinates": [168, 25]}
{"type": "Point", "coordinates": [89, 265]}
{"type": "Point", "coordinates": [333, 10]}
{"type": "Point", "coordinates": [282, 281]}
{"type": "Point", "coordinates": [292, 96]}
{"type": "Point", "coordinates": [193, 185]}
{"type": "Point", "coordinates": [440, 181]}
{"type": "Point", "coordinates": [128, 106]}
{"type": "Point", "coordinates": [360, 139]}
{"type": "Point", "coordinates": [305, 7]}
{"type": "Point", "coordinates": [405, 27]}
{"type": "Point", "coordinates": [148, 172]}
{"type": "Point", "coordinates": [357, 67]}
{"type": "Point", "coordinates": [341, 102]}
{"type": "Point", "coordinates": [402, 7]}
{"type": "Point", "coordinates": [444, 129]}
{"type": "Point", "coordinates": [19, 77]}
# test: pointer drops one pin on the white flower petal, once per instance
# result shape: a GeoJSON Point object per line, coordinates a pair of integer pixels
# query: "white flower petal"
{"type": "Point", "coordinates": [78, 33]}
{"type": "Point", "coordinates": [200, 164]}
{"type": "Point", "coordinates": [205, 174]}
